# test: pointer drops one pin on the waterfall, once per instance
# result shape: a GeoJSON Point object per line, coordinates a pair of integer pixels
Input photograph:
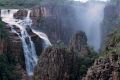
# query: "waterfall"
{"type": "Point", "coordinates": [40, 34]}
{"type": "Point", "coordinates": [44, 37]}
{"type": "Point", "coordinates": [27, 43]}
{"type": "Point", "coordinates": [90, 17]}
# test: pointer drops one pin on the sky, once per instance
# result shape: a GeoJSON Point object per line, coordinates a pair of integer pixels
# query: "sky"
{"type": "Point", "coordinates": [87, 0]}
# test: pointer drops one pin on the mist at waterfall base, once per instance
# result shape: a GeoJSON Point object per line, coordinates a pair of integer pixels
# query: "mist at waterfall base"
{"type": "Point", "coordinates": [89, 19]}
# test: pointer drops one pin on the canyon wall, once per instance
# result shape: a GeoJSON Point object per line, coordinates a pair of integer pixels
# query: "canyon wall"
{"type": "Point", "coordinates": [107, 66]}
{"type": "Point", "coordinates": [111, 19]}
{"type": "Point", "coordinates": [65, 63]}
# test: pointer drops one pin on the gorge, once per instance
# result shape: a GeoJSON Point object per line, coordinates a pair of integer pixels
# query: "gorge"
{"type": "Point", "coordinates": [90, 21]}
{"type": "Point", "coordinates": [60, 40]}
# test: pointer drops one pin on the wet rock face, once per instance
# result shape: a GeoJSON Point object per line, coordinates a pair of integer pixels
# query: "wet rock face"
{"type": "Point", "coordinates": [79, 43]}
{"type": "Point", "coordinates": [105, 69]}
{"type": "Point", "coordinates": [55, 64]}
{"type": "Point", "coordinates": [14, 47]}
{"type": "Point", "coordinates": [21, 14]}
{"type": "Point", "coordinates": [38, 42]}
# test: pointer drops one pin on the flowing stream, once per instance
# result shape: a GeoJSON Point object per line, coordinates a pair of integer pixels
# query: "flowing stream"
{"type": "Point", "coordinates": [28, 46]}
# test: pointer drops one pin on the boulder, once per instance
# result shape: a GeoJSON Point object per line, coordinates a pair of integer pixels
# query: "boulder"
{"type": "Point", "coordinates": [21, 14]}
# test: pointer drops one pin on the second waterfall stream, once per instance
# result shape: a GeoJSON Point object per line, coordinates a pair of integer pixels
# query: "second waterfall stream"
{"type": "Point", "coordinates": [30, 55]}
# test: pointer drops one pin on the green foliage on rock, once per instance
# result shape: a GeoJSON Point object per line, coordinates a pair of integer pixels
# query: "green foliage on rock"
{"type": "Point", "coordinates": [25, 3]}
{"type": "Point", "coordinates": [86, 62]}
{"type": "Point", "coordinates": [112, 43]}
{"type": "Point", "coordinates": [108, 62]}
{"type": "Point", "coordinates": [7, 66]}
{"type": "Point", "coordinates": [18, 3]}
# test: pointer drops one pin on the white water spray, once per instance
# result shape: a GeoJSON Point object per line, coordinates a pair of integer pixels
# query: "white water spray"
{"type": "Point", "coordinates": [27, 43]}
{"type": "Point", "coordinates": [90, 19]}
{"type": "Point", "coordinates": [40, 34]}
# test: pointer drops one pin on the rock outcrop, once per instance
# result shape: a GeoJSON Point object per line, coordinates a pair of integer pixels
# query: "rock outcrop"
{"type": "Point", "coordinates": [79, 44]}
{"type": "Point", "coordinates": [21, 14]}
{"type": "Point", "coordinates": [111, 18]}
{"type": "Point", "coordinates": [57, 63]}
{"type": "Point", "coordinates": [107, 67]}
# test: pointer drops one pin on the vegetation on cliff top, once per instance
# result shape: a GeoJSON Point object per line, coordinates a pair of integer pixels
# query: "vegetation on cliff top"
{"type": "Point", "coordinates": [7, 67]}
{"type": "Point", "coordinates": [24, 3]}
{"type": "Point", "coordinates": [112, 43]}
{"type": "Point", "coordinates": [108, 65]}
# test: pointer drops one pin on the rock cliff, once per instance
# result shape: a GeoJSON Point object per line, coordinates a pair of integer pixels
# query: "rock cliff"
{"type": "Point", "coordinates": [53, 19]}
{"type": "Point", "coordinates": [111, 18]}
{"type": "Point", "coordinates": [10, 44]}
{"type": "Point", "coordinates": [107, 67]}
{"type": "Point", "coordinates": [63, 63]}
{"type": "Point", "coordinates": [55, 64]}
{"type": "Point", "coordinates": [79, 44]}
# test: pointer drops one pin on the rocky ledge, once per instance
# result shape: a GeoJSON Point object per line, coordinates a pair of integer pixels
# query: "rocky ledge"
{"type": "Point", "coordinates": [55, 64]}
{"type": "Point", "coordinates": [105, 69]}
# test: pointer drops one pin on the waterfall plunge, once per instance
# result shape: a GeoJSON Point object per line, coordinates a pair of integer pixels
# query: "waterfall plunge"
{"type": "Point", "coordinates": [90, 17]}
{"type": "Point", "coordinates": [27, 43]}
